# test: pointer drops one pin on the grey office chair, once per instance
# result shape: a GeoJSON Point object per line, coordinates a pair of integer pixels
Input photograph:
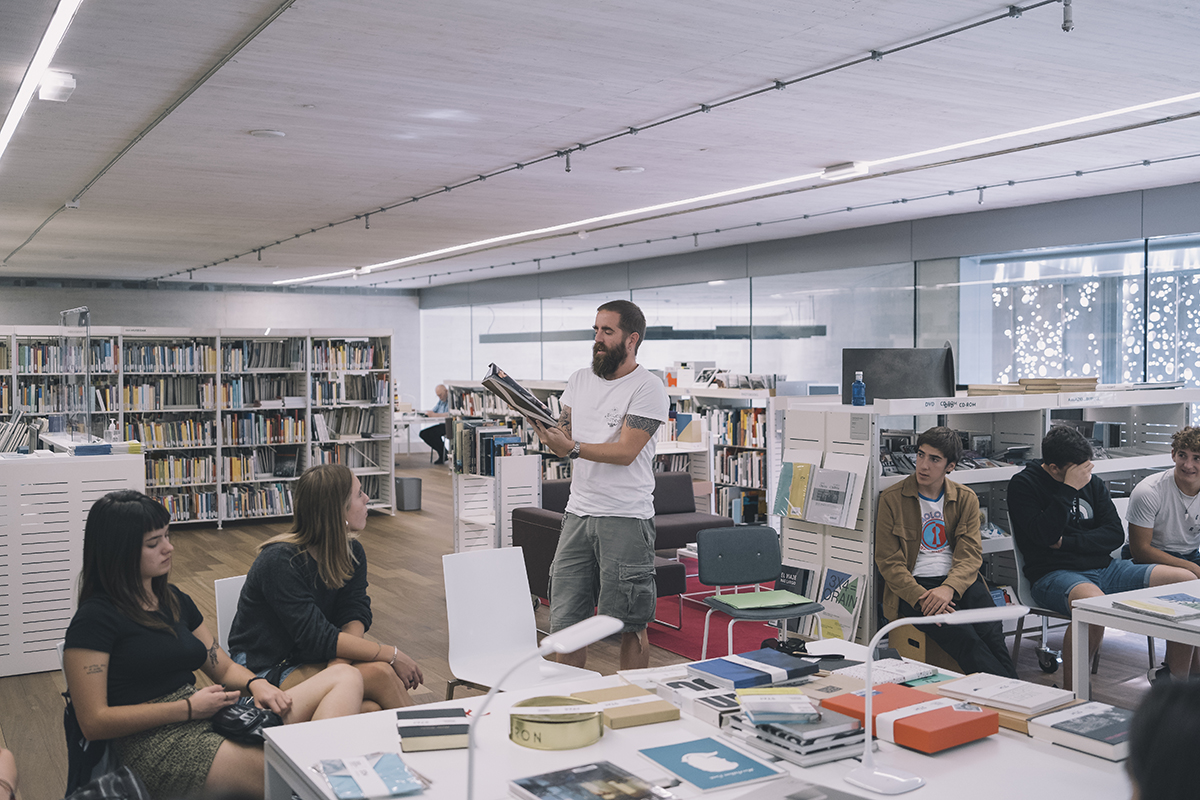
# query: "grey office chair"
{"type": "Point", "coordinates": [741, 556]}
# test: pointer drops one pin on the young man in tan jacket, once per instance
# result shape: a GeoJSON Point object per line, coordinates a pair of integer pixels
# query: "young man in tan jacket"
{"type": "Point", "coordinates": [928, 550]}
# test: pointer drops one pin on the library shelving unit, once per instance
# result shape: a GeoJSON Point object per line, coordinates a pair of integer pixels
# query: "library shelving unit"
{"type": "Point", "coordinates": [263, 398]}
{"type": "Point", "coordinates": [44, 501]}
{"type": "Point", "coordinates": [483, 504]}
{"type": "Point", "coordinates": [351, 398]}
{"type": "Point", "coordinates": [470, 399]}
{"type": "Point", "coordinates": [1142, 419]}
{"type": "Point", "coordinates": [222, 414]}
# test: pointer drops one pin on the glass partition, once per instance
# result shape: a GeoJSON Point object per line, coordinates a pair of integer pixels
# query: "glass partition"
{"type": "Point", "coordinates": [445, 353]}
{"type": "Point", "coordinates": [509, 335]}
{"type": "Point", "coordinates": [697, 322]}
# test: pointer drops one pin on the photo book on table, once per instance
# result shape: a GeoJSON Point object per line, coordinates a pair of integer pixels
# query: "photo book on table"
{"type": "Point", "coordinates": [376, 775]}
{"type": "Point", "coordinates": [1175, 605]}
{"type": "Point", "coordinates": [602, 779]}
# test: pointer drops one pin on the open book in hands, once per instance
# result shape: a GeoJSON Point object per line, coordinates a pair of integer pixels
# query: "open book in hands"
{"type": "Point", "coordinates": [520, 399]}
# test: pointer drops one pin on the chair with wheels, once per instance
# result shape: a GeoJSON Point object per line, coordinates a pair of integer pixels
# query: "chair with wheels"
{"type": "Point", "coordinates": [491, 623]}
{"type": "Point", "coordinates": [227, 591]}
{"type": "Point", "coordinates": [741, 556]}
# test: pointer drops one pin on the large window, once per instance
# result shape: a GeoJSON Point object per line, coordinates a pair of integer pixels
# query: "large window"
{"type": "Point", "coordinates": [509, 335]}
{"type": "Point", "coordinates": [697, 322]}
{"type": "Point", "coordinates": [567, 332]}
{"type": "Point", "coordinates": [445, 353]}
{"type": "Point", "coordinates": [1173, 312]}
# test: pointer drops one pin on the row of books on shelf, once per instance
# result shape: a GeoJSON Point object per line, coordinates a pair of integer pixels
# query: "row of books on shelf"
{"type": "Point", "coordinates": [256, 500]}
{"type": "Point", "coordinates": [741, 505]}
{"type": "Point", "coordinates": [349, 423]}
{"type": "Point", "coordinates": [672, 462]}
{"type": "Point", "coordinates": [169, 357]}
{"type": "Point", "coordinates": [476, 403]}
{"type": "Point", "coordinates": [258, 428]}
{"type": "Point", "coordinates": [177, 470]}
{"type": "Point", "coordinates": [154, 394]}
{"type": "Point", "coordinates": [739, 427]}
{"type": "Point", "coordinates": [250, 354]}
{"type": "Point", "coordinates": [260, 463]}
{"type": "Point", "coordinates": [172, 433]}
{"type": "Point", "coordinates": [339, 356]}
{"type": "Point", "coordinates": [50, 358]}
{"type": "Point", "coordinates": [357, 455]}
{"type": "Point", "coordinates": [254, 390]}
{"type": "Point", "coordinates": [477, 445]}
{"type": "Point", "coordinates": [681, 427]}
{"type": "Point", "coordinates": [44, 398]}
{"type": "Point", "coordinates": [188, 506]}
{"type": "Point", "coordinates": [744, 468]}
{"type": "Point", "coordinates": [350, 389]}
{"type": "Point", "coordinates": [556, 469]}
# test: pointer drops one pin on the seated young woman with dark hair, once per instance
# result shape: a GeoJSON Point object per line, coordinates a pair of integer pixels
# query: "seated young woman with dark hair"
{"type": "Point", "coordinates": [304, 604]}
{"type": "Point", "coordinates": [131, 651]}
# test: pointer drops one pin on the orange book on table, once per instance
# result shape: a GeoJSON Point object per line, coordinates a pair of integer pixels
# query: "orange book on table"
{"type": "Point", "coordinates": [909, 718]}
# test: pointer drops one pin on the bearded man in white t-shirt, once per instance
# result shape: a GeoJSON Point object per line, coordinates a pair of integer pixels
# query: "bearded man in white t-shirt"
{"type": "Point", "coordinates": [928, 550]}
{"type": "Point", "coordinates": [605, 555]}
{"type": "Point", "coordinates": [1164, 519]}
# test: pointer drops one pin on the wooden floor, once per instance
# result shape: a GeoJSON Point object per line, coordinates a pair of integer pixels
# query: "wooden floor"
{"type": "Point", "coordinates": [404, 556]}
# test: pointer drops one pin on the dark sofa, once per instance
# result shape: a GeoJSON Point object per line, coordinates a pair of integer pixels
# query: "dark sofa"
{"type": "Point", "coordinates": [676, 523]}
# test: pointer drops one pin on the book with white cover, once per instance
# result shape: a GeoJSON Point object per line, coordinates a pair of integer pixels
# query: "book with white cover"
{"type": "Point", "coordinates": [889, 670]}
{"type": "Point", "coordinates": [1007, 693]}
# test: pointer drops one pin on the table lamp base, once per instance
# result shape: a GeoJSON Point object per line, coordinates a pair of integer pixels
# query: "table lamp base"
{"type": "Point", "coordinates": [884, 780]}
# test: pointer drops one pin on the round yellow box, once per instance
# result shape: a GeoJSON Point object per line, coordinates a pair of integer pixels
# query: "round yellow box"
{"type": "Point", "coordinates": [554, 731]}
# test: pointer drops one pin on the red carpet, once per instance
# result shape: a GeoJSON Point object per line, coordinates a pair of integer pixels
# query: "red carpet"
{"type": "Point", "coordinates": [686, 642]}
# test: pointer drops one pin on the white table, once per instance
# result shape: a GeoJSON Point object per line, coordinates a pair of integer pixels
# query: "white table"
{"type": "Point", "coordinates": [406, 420]}
{"type": "Point", "coordinates": [1001, 767]}
{"type": "Point", "coordinates": [1099, 611]}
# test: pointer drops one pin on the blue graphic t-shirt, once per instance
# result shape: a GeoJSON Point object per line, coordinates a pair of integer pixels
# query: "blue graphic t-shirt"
{"type": "Point", "coordinates": [934, 556]}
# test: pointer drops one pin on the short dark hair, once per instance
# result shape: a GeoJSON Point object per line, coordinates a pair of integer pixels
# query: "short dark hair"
{"type": "Point", "coordinates": [1063, 446]}
{"type": "Point", "coordinates": [632, 318]}
{"type": "Point", "coordinates": [1186, 439]}
{"type": "Point", "coordinates": [944, 440]}
{"type": "Point", "coordinates": [112, 555]}
{"type": "Point", "coordinates": [1162, 741]}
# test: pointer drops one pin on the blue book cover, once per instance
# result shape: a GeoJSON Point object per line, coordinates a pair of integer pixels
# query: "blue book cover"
{"type": "Point", "coordinates": [709, 764]}
{"type": "Point", "coordinates": [729, 674]}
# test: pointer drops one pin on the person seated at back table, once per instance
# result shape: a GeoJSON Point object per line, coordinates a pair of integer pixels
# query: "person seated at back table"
{"type": "Point", "coordinates": [928, 550]}
{"type": "Point", "coordinates": [1164, 519]}
{"type": "Point", "coordinates": [434, 435]}
{"type": "Point", "coordinates": [1066, 527]}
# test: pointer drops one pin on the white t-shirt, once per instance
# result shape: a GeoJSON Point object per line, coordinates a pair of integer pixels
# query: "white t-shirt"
{"type": "Point", "coordinates": [1157, 503]}
{"type": "Point", "coordinates": [598, 411]}
{"type": "Point", "coordinates": [933, 556]}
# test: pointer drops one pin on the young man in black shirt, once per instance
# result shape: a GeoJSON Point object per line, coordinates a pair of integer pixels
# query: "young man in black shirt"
{"type": "Point", "coordinates": [1066, 527]}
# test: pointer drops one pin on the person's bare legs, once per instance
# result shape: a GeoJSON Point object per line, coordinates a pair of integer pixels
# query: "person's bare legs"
{"type": "Point", "coordinates": [237, 769]}
{"type": "Point", "coordinates": [635, 650]}
{"type": "Point", "coordinates": [1180, 657]}
{"type": "Point", "coordinates": [1095, 635]}
{"type": "Point", "coordinates": [381, 686]}
{"type": "Point", "coordinates": [335, 691]}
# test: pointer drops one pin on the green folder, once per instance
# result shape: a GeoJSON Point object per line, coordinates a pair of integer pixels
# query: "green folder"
{"type": "Point", "coordinates": [772, 599]}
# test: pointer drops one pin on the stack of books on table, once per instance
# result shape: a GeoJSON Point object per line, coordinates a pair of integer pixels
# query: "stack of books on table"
{"type": "Point", "coordinates": [1014, 700]}
{"type": "Point", "coordinates": [889, 670]}
{"type": "Point", "coordinates": [831, 737]}
{"type": "Point", "coordinates": [910, 718]}
{"type": "Point", "coordinates": [1095, 728]}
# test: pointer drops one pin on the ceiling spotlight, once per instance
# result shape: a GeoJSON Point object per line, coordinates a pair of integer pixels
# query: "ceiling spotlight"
{"type": "Point", "coordinates": [630, 170]}
{"type": "Point", "coordinates": [263, 133]}
{"type": "Point", "coordinates": [56, 86]}
{"type": "Point", "coordinates": [840, 171]}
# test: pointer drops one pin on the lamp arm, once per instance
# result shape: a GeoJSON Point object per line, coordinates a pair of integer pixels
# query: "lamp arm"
{"type": "Point", "coordinates": [478, 715]}
{"type": "Point", "coordinates": [868, 759]}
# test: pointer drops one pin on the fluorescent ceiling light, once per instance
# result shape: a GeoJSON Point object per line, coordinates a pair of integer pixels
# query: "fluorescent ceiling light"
{"type": "Point", "coordinates": [866, 165]}
{"type": "Point", "coordinates": [37, 67]}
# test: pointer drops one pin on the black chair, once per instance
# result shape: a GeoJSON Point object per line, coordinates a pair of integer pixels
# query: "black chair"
{"type": "Point", "coordinates": [741, 556]}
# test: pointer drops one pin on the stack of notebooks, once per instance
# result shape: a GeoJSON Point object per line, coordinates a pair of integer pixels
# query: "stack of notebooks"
{"type": "Point", "coordinates": [831, 737]}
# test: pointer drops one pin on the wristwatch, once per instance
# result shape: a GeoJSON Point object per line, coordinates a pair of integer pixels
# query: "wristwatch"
{"type": "Point", "coordinates": [574, 451]}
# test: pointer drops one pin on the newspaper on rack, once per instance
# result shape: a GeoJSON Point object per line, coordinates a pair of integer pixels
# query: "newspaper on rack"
{"type": "Point", "coordinates": [520, 399]}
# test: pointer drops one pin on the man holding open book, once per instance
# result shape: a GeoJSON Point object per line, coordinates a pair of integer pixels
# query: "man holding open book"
{"type": "Point", "coordinates": [928, 550]}
{"type": "Point", "coordinates": [605, 555]}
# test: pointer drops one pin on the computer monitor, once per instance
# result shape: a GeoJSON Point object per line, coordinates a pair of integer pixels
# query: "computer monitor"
{"type": "Point", "coordinates": [895, 372]}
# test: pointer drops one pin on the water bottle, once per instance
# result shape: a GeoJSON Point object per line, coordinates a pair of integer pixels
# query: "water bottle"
{"type": "Point", "coordinates": [858, 391]}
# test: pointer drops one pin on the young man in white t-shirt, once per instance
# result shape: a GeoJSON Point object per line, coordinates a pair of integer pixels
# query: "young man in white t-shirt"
{"type": "Point", "coordinates": [1164, 518]}
{"type": "Point", "coordinates": [928, 550]}
{"type": "Point", "coordinates": [605, 555]}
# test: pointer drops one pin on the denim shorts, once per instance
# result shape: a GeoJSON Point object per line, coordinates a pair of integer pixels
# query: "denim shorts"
{"type": "Point", "coordinates": [1052, 589]}
{"type": "Point", "coordinates": [605, 564]}
{"type": "Point", "coordinates": [240, 658]}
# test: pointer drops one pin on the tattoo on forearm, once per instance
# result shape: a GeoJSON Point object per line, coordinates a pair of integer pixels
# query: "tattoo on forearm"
{"type": "Point", "coordinates": [212, 654]}
{"type": "Point", "coordinates": [94, 669]}
{"type": "Point", "coordinates": [564, 420]}
{"type": "Point", "coordinates": [642, 423]}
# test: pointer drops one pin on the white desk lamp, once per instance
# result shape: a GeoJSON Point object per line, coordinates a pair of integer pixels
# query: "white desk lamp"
{"type": "Point", "coordinates": [896, 781]}
{"type": "Point", "coordinates": [568, 640]}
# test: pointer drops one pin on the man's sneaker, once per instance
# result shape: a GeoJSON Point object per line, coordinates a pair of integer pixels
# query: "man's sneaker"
{"type": "Point", "coordinates": [1157, 674]}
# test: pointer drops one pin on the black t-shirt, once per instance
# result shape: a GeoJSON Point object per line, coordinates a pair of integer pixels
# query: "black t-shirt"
{"type": "Point", "coordinates": [143, 663]}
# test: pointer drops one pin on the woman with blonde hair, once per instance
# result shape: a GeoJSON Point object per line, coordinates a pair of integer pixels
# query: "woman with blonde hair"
{"type": "Point", "coordinates": [130, 655]}
{"type": "Point", "coordinates": [304, 604]}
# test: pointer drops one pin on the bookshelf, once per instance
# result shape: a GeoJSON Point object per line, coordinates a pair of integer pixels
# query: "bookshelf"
{"type": "Point", "coordinates": [223, 414]}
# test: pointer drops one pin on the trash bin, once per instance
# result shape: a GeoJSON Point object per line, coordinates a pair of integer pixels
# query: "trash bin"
{"type": "Point", "coordinates": [408, 494]}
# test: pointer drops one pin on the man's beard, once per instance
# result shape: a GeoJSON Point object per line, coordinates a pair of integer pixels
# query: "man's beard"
{"type": "Point", "coordinates": [606, 362]}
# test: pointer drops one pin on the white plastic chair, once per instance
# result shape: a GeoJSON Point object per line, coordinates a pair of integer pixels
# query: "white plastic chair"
{"type": "Point", "coordinates": [491, 623]}
{"type": "Point", "coordinates": [227, 592]}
